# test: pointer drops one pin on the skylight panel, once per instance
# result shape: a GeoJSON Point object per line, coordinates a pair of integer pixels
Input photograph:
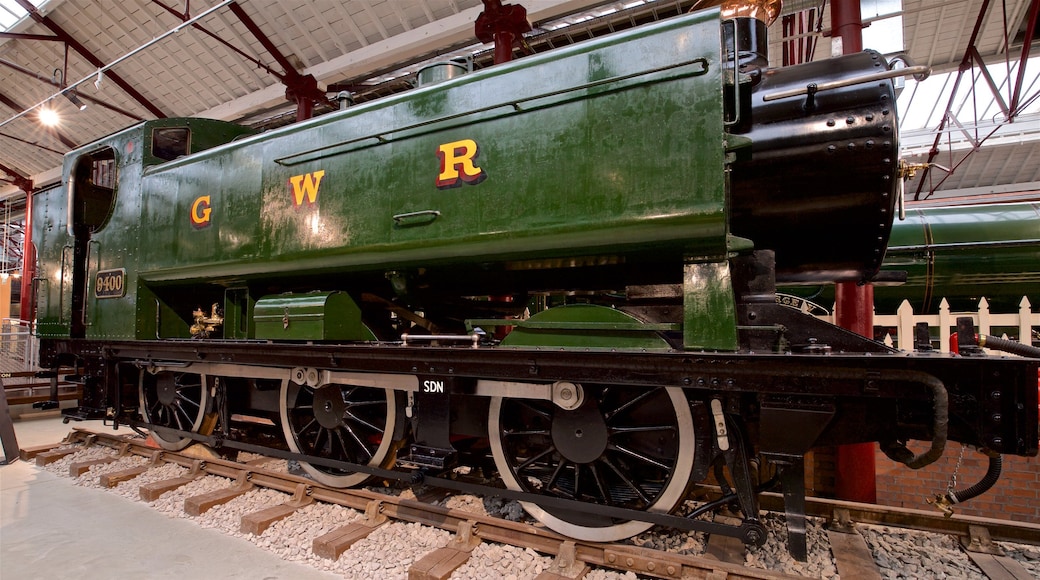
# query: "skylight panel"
{"type": "Point", "coordinates": [11, 12]}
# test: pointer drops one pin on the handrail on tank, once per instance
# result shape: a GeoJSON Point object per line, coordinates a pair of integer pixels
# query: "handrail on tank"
{"type": "Point", "coordinates": [514, 104]}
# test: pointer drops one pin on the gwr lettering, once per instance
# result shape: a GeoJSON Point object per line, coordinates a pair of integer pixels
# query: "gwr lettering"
{"type": "Point", "coordinates": [201, 212]}
{"type": "Point", "coordinates": [305, 187]}
{"type": "Point", "coordinates": [433, 386]}
{"type": "Point", "coordinates": [458, 164]}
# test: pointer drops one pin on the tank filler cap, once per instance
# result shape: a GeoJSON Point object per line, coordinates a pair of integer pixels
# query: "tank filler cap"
{"type": "Point", "coordinates": [439, 72]}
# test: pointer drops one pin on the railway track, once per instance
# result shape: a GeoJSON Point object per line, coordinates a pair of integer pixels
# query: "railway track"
{"type": "Point", "coordinates": [466, 532]}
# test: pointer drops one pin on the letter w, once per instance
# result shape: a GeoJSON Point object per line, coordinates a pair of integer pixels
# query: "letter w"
{"type": "Point", "coordinates": [306, 185]}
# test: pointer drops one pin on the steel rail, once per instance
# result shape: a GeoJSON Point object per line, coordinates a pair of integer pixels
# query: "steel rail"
{"type": "Point", "coordinates": [617, 556]}
{"type": "Point", "coordinates": [749, 531]}
{"type": "Point", "coordinates": [921, 520]}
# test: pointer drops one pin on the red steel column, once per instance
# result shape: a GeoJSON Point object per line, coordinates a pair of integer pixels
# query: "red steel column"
{"type": "Point", "coordinates": [855, 475]}
{"type": "Point", "coordinates": [847, 24]}
{"type": "Point", "coordinates": [504, 46]}
{"type": "Point", "coordinates": [28, 264]}
{"type": "Point", "coordinates": [855, 478]}
{"type": "Point", "coordinates": [503, 24]}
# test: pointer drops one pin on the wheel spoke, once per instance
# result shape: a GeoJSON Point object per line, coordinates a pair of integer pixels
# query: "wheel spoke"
{"type": "Point", "coordinates": [360, 421]}
{"type": "Point", "coordinates": [309, 426]}
{"type": "Point", "coordinates": [338, 433]}
{"type": "Point", "coordinates": [365, 404]}
{"type": "Point", "coordinates": [626, 447]}
{"type": "Point", "coordinates": [529, 433]}
{"type": "Point", "coordinates": [564, 464]}
{"type": "Point", "coordinates": [600, 484]}
{"type": "Point", "coordinates": [644, 429]}
{"type": "Point", "coordinates": [182, 412]}
{"type": "Point", "coordinates": [577, 480]}
{"type": "Point", "coordinates": [556, 473]}
{"type": "Point", "coordinates": [176, 417]}
{"type": "Point", "coordinates": [357, 440]}
{"type": "Point", "coordinates": [183, 400]}
{"type": "Point", "coordinates": [176, 401]}
{"type": "Point", "coordinates": [527, 463]}
{"type": "Point", "coordinates": [650, 460]}
{"type": "Point", "coordinates": [628, 482]}
{"type": "Point", "coordinates": [317, 441]}
{"type": "Point", "coordinates": [608, 415]}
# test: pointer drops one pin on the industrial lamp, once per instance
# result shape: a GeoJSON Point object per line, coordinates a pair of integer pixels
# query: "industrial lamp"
{"type": "Point", "coordinates": [74, 99]}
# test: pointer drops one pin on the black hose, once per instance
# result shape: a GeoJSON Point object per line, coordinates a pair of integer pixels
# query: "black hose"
{"type": "Point", "coordinates": [897, 450]}
{"type": "Point", "coordinates": [1011, 346]}
{"type": "Point", "coordinates": [984, 484]}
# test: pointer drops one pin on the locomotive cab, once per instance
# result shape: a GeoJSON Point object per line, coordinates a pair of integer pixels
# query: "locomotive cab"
{"type": "Point", "coordinates": [86, 231]}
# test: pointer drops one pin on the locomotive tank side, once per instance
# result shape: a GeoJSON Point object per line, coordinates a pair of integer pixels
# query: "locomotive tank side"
{"type": "Point", "coordinates": [594, 154]}
{"type": "Point", "coordinates": [87, 227]}
{"type": "Point", "coordinates": [50, 238]}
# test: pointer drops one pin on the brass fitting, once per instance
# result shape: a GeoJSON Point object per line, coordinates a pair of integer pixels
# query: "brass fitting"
{"type": "Point", "coordinates": [909, 170]}
{"type": "Point", "coordinates": [206, 324]}
{"type": "Point", "coordinates": [943, 504]}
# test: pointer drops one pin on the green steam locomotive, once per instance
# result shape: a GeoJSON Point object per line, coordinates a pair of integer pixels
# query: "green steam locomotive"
{"type": "Point", "coordinates": [560, 269]}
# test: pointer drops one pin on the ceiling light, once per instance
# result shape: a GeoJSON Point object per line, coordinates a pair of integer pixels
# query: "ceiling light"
{"type": "Point", "coordinates": [48, 116]}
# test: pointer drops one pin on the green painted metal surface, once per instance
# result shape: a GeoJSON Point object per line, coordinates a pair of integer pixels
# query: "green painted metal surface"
{"type": "Point", "coordinates": [965, 253]}
{"type": "Point", "coordinates": [113, 241]}
{"type": "Point", "coordinates": [576, 152]}
{"type": "Point", "coordinates": [613, 146]}
{"type": "Point", "coordinates": [961, 253]}
{"type": "Point", "coordinates": [310, 316]}
{"type": "Point", "coordinates": [584, 326]}
{"type": "Point", "coordinates": [709, 307]}
{"type": "Point", "coordinates": [53, 279]}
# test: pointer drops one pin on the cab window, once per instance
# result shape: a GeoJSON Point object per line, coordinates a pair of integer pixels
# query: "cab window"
{"type": "Point", "coordinates": [93, 190]}
{"type": "Point", "coordinates": [171, 142]}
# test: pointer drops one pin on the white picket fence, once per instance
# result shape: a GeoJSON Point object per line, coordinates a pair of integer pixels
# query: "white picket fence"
{"type": "Point", "coordinates": [18, 347]}
{"type": "Point", "coordinates": [1025, 321]}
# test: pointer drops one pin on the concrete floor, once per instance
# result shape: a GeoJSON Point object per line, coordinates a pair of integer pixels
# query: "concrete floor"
{"type": "Point", "coordinates": [53, 529]}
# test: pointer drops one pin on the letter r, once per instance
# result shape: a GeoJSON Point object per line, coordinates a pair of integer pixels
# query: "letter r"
{"type": "Point", "coordinates": [457, 163]}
